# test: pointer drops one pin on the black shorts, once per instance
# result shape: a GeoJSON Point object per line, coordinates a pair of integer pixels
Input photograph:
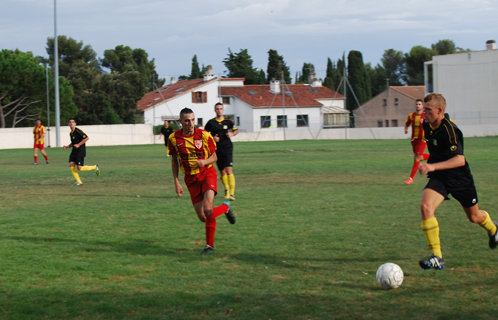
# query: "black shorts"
{"type": "Point", "coordinates": [225, 159]}
{"type": "Point", "coordinates": [466, 196]}
{"type": "Point", "coordinates": [79, 160]}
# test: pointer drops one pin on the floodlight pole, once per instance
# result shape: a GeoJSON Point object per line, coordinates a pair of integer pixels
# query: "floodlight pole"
{"type": "Point", "coordinates": [56, 76]}
{"type": "Point", "coordinates": [48, 108]}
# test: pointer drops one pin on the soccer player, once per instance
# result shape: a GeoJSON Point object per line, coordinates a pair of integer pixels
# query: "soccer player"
{"type": "Point", "coordinates": [166, 131]}
{"type": "Point", "coordinates": [77, 157]}
{"type": "Point", "coordinates": [416, 120]}
{"type": "Point", "coordinates": [194, 151]}
{"type": "Point", "coordinates": [448, 173]}
{"type": "Point", "coordinates": [39, 135]}
{"type": "Point", "coordinates": [222, 130]}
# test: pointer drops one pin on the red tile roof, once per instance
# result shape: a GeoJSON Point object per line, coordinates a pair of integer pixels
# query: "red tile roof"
{"type": "Point", "coordinates": [170, 91]}
{"type": "Point", "coordinates": [414, 92]}
{"type": "Point", "coordinates": [300, 94]}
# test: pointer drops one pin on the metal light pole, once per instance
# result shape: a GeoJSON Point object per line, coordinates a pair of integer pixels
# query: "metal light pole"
{"type": "Point", "coordinates": [48, 109]}
{"type": "Point", "coordinates": [56, 75]}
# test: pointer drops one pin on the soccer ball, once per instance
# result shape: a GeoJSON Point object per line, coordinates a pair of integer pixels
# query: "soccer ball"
{"type": "Point", "coordinates": [389, 276]}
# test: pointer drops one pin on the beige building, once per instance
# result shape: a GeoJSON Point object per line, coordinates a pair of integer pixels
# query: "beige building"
{"type": "Point", "coordinates": [389, 108]}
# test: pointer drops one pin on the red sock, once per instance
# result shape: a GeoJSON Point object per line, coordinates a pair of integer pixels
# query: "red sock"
{"type": "Point", "coordinates": [36, 159]}
{"type": "Point", "coordinates": [211, 223]}
{"type": "Point", "coordinates": [414, 169]}
{"type": "Point", "coordinates": [219, 210]}
{"type": "Point", "coordinates": [426, 156]}
{"type": "Point", "coordinates": [46, 158]}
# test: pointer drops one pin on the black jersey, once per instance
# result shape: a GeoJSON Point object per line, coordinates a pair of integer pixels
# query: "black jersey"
{"type": "Point", "coordinates": [76, 137]}
{"type": "Point", "coordinates": [445, 142]}
{"type": "Point", "coordinates": [220, 128]}
{"type": "Point", "coordinates": [166, 133]}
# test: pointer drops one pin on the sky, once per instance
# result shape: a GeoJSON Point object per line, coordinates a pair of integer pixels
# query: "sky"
{"type": "Point", "coordinates": [310, 31]}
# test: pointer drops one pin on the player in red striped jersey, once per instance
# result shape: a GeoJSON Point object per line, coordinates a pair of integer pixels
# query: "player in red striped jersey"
{"type": "Point", "coordinates": [39, 136]}
{"type": "Point", "coordinates": [193, 150]}
{"type": "Point", "coordinates": [416, 121]}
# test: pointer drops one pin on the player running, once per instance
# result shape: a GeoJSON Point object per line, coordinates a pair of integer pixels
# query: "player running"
{"type": "Point", "coordinates": [449, 173]}
{"type": "Point", "coordinates": [194, 151]}
{"type": "Point", "coordinates": [416, 120]}
{"type": "Point", "coordinates": [77, 157]}
{"type": "Point", "coordinates": [39, 136]}
{"type": "Point", "coordinates": [222, 130]}
{"type": "Point", "coordinates": [166, 131]}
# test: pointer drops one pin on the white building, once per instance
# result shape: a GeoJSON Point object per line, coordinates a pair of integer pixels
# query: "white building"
{"type": "Point", "coordinates": [469, 83]}
{"type": "Point", "coordinates": [253, 108]}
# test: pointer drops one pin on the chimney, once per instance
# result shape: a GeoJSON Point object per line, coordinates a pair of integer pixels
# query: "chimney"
{"type": "Point", "coordinates": [490, 45]}
{"type": "Point", "coordinates": [316, 83]}
{"type": "Point", "coordinates": [274, 86]}
{"type": "Point", "coordinates": [173, 80]}
{"type": "Point", "coordinates": [208, 75]}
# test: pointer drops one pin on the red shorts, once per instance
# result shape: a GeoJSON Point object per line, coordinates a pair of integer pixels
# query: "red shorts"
{"type": "Point", "coordinates": [40, 146]}
{"type": "Point", "coordinates": [419, 147]}
{"type": "Point", "coordinates": [199, 183]}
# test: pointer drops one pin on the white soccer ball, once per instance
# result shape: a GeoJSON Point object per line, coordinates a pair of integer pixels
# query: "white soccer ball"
{"type": "Point", "coordinates": [389, 276]}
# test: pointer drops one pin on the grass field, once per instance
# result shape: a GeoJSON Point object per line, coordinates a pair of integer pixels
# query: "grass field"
{"type": "Point", "coordinates": [315, 219]}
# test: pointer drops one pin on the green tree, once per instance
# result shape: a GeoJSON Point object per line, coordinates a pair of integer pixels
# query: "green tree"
{"type": "Point", "coordinates": [276, 65]}
{"type": "Point", "coordinates": [329, 75]}
{"type": "Point", "coordinates": [23, 89]}
{"type": "Point", "coordinates": [443, 47]}
{"type": "Point", "coordinates": [377, 77]}
{"type": "Point", "coordinates": [415, 64]}
{"type": "Point", "coordinates": [70, 51]}
{"type": "Point", "coordinates": [239, 65]}
{"type": "Point", "coordinates": [359, 80]}
{"type": "Point", "coordinates": [261, 77]}
{"type": "Point", "coordinates": [393, 62]}
{"type": "Point", "coordinates": [337, 77]}
{"type": "Point", "coordinates": [195, 73]}
{"type": "Point", "coordinates": [306, 71]}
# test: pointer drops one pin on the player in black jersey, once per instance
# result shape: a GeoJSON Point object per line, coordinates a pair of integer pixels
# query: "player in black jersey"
{"type": "Point", "coordinates": [222, 129]}
{"type": "Point", "coordinates": [449, 173]}
{"type": "Point", "coordinates": [77, 157]}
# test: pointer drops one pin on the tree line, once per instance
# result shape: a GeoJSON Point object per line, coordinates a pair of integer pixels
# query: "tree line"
{"type": "Point", "coordinates": [106, 90]}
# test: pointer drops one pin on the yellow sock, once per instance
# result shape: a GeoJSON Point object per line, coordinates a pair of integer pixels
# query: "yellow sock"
{"type": "Point", "coordinates": [76, 176]}
{"type": "Point", "coordinates": [488, 225]}
{"type": "Point", "coordinates": [231, 182]}
{"type": "Point", "coordinates": [88, 168]}
{"type": "Point", "coordinates": [224, 179]}
{"type": "Point", "coordinates": [430, 227]}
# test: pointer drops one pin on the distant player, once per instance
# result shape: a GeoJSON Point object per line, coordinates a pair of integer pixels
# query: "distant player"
{"type": "Point", "coordinates": [77, 157]}
{"type": "Point", "coordinates": [449, 173]}
{"type": "Point", "coordinates": [39, 136]}
{"type": "Point", "coordinates": [166, 131]}
{"type": "Point", "coordinates": [416, 120]}
{"type": "Point", "coordinates": [194, 151]}
{"type": "Point", "coordinates": [222, 130]}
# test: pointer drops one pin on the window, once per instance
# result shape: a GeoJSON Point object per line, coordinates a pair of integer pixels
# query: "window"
{"type": "Point", "coordinates": [302, 120]}
{"type": "Point", "coordinates": [394, 123]}
{"type": "Point", "coordinates": [379, 123]}
{"type": "Point", "coordinates": [265, 121]}
{"type": "Point", "coordinates": [395, 101]}
{"type": "Point", "coordinates": [282, 121]}
{"type": "Point", "coordinates": [334, 120]}
{"type": "Point", "coordinates": [226, 100]}
{"type": "Point", "coordinates": [387, 123]}
{"type": "Point", "coordinates": [199, 122]}
{"type": "Point", "coordinates": [385, 102]}
{"type": "Point", "coordinates": [199, 97]}
{"type": "Point", "coordinates": [238, 121]}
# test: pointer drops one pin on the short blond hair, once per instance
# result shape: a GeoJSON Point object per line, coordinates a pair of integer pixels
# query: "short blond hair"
{"type": "Point", "coordinates": [438, 101]}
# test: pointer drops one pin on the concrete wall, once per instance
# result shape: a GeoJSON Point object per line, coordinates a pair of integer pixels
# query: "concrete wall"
{"type": "Point", "coordinates": [133, 134]}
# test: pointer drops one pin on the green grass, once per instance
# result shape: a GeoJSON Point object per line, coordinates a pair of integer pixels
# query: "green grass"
{"type": "Point", "coordinates": [315, 219]}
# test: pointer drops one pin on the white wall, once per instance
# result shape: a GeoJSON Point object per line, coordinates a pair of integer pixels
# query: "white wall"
{"type": "Point", "coordinates": [134, 134]}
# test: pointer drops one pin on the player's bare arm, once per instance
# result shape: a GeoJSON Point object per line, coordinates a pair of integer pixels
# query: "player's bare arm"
{"type": "Point", "coordinates": [81, 143]}
{"type": "Point", "coordinates": [455, 162]}
{"type": "Point", "coordinates": [232, 134]}
{"type": "Point", "coordinates": [201, 163]}
{"type": "Point", "coordinates": [175, 168]}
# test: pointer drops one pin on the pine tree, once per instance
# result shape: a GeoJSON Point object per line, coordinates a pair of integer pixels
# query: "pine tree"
{"type": "Point", "coordinates": [276, 65]}
{"type": "Point", "coordinates": [359, 80]}
{"type": "Point", "coordinates": [196, 72]}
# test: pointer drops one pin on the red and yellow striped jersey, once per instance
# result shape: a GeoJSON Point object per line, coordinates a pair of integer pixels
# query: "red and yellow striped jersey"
{"type": "Point", "coordinates": [416, 121]}
{"type": "Point", "coordinates": [189, 149]}
{"type": "Point", "coordinates": [39, 132]}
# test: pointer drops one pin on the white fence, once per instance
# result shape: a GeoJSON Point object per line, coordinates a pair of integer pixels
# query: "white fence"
{"type": "Point", "coordinates": [134, 134]}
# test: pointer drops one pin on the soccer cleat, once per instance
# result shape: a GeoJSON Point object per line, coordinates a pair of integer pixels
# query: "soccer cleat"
{"type": "Point", "coordinates": [207, 249]}
{"type": "Point", "coordinates": [232, 197]}
{"type": "Point", "coordinates": [409, 181]}
{"type": "Point", "coordinates": [229, 213]}
{"type": "Point", "coordinates": [48, 162]}
{"type": "Point", "coordinates": [78, 184]}
{"type": "Point", "coordinates": [432, 262]}
{"type": "Point", "coordinates": [227, 195]}
{"type": "Point", "coordinates": [97, 170]}
{"type": "Point", "coordinates": [493, 240]}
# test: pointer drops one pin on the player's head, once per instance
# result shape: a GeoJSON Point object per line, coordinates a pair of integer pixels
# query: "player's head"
{"type": "Point", "coordinates": [166, 123]}
{"type": "Point", "coordinates": [419, 105]}
{"type": "Point", "coordinates": [38, 122]}
{"type": "Point", "coordinates": [218, 109]}
{"type": "Point", "coordinates": [71, 123]}
{"type": "Point", "coordinates": [437, 99]}
{"type": "Point", "coordinates": [187, 119]}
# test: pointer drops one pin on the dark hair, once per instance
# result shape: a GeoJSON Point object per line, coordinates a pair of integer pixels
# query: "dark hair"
{"type": "Point", "coordinates": [185, 111]}
{"type": "Point", "coordinates": [419, 100]}
{"type": "Point", "coordinates": [71, 119]}
{"type": "Point", "coordinates": [38, 119]}
{"type": "Point", "coordinates": [218, 104]}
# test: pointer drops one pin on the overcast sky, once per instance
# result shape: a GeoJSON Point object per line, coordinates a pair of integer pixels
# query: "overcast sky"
{"type": "Point", "coordinates": [302, 31]}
